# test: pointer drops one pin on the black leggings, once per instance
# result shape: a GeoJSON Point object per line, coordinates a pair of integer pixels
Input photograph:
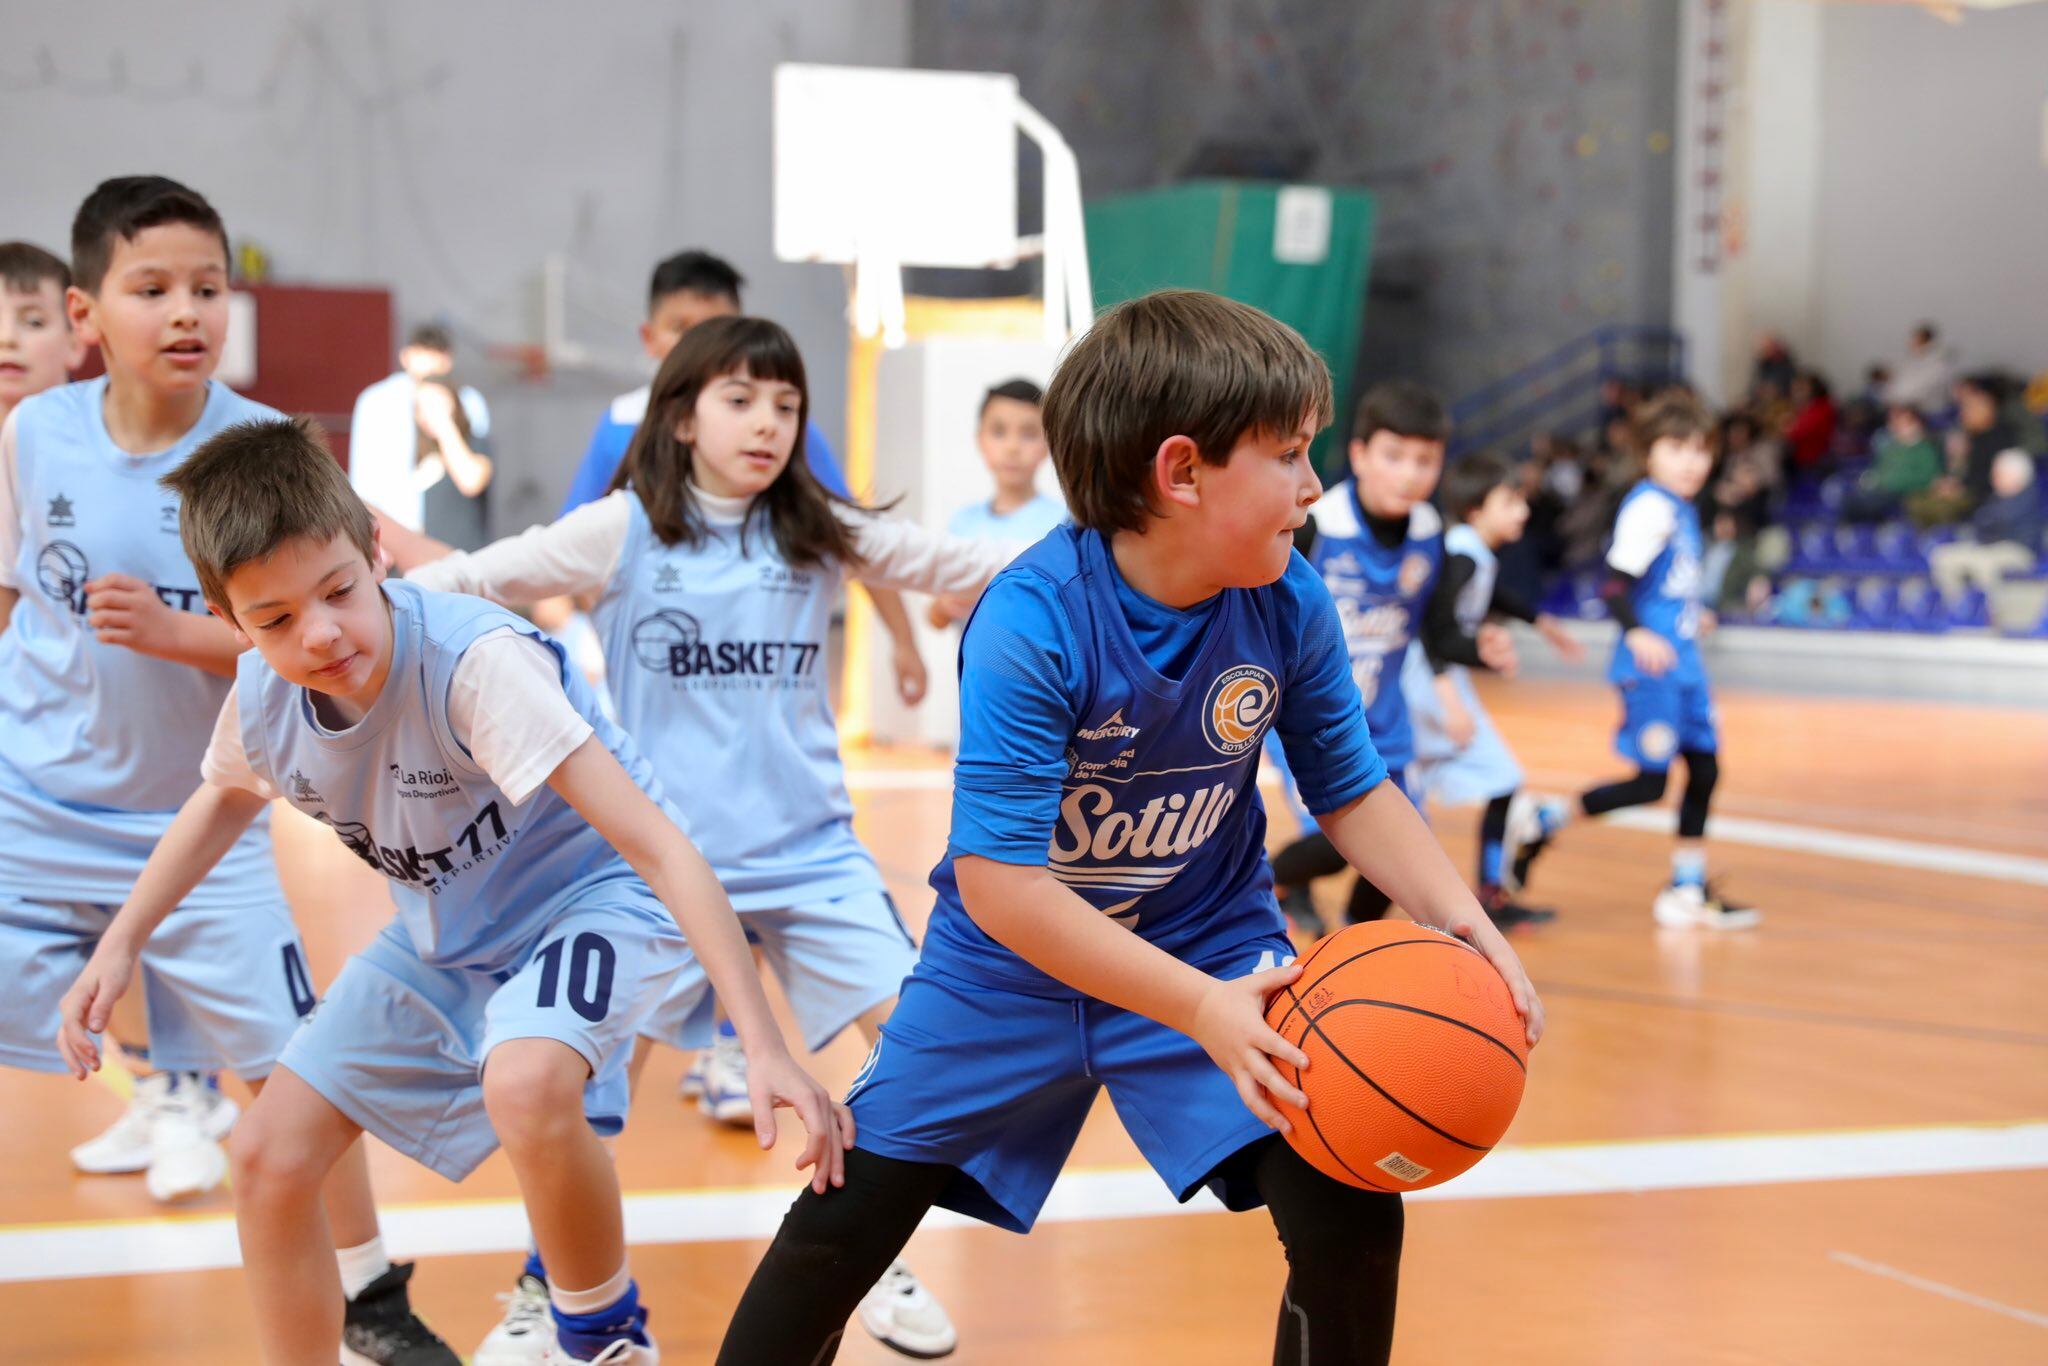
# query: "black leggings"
{"type": "Point", "coordinates": [1343, 1249]}
{"type": "Point", "coordinates": [1313, 856]}
{"type": "Point", "coordinates": [1702, 771]}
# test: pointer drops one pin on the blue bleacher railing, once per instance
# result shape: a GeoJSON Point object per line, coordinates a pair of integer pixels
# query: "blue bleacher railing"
{"type": "Point", "coordinates": [1560, 392]}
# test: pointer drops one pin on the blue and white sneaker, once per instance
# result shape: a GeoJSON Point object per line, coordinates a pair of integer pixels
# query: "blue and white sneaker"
{"type": "Point", "coordinates": [725, 1096]}
{"type": "Point", "coordinates": [600, 1338]}
{"type": "Point", "coordinates": [1532, 820]}
{"type": "Point", "coordinates": [692, 1084]}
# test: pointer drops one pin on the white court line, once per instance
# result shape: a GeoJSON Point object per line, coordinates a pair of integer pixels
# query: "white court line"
{"type": "Point", "coordinates": [147, 1246]}
{"type": "Point", "coordinates": [1937, 1288]}
{"type": "Point", "coordinates": [1806, 839]}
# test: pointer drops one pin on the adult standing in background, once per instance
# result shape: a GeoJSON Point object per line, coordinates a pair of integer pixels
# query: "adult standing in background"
{"type": "Point", "coordinates": [404, 439]}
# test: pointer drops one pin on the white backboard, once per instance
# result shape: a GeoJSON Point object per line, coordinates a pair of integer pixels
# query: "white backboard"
{"type": "Point", "coordinates": [913, 168]}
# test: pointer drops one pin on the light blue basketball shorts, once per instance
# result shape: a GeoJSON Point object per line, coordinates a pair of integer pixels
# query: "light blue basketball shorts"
{"type": "Point", "coordinates": [1441, 771]}
{"type": "Point", "coordinates": [399, 1046]}
{"type": "Point", "coordinates": [836, 958]}
{"type": "Point", "coordinates": [222, 987]}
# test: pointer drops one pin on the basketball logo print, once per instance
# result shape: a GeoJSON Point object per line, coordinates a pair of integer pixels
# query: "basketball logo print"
{"type": "Point", "coordinates": [1657, 741]}
{"type": "Point", "coordinates": [61, 572]}
{"type": "Point", "coordinates": [656, 637]}
{"type": "Point", "coordinates": [1241, 702]}
{"type": "Point", "coordinates": [1414, 573]}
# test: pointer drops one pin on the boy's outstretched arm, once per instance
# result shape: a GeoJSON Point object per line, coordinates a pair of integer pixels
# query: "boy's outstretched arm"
{"type": "Point", "coordinates": [1381, 836]}
{"type": "Point", "coordinates": [1036, 916]}
{"type": "Point", "coordinates": [592, 782]}
{"type": "Point", "coordinates": [200, 835]}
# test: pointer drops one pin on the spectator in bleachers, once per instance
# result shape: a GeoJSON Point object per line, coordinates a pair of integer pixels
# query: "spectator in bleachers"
{"type": "Point", "coordinates": [1907, 462]}
{"type": "Point", "coordinates": [1979, 435]}
{"type": "Point", "coordinates": [1923, 377]}
{"type": "Point", "coordinates": [2004, 536]}
{"type": "Point", "coordinates": [1863, 416]}
{"type": "Point", "coordinates": [1745, 445]}
{"type": "Point", "coordinates": [1810, 434]}
{"type": "Point", "coordinates": [1774, 367]}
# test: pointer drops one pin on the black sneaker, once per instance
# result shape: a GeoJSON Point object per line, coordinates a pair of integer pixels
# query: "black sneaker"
{"type": "Point", "coordinates": [380, 1329]}
{"type": "Point", "coordinates": [1509, 915]}
{"type": "Point", "coordinates": [1301, 913]}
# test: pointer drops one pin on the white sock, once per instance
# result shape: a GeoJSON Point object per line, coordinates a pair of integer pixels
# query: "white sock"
{"type": "Point", "coordinates": [361, 1265]}
{"type": "Point", "coordinates": [595, 1299]}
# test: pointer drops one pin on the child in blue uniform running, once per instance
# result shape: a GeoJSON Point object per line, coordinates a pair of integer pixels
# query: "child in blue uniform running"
{"type": "Point", "coordinates": [1667, 710]}
{"type": "Point", "coordinates": [714, 565]}
{"type": "Point", "coordinates": [448, 744]}
{"type": "Point", "coordinates": [1379, 547]}
{"type": "Point", "coordinates": [1460, 758]}
{"type": "Point", "coordinates": [1105, 914]}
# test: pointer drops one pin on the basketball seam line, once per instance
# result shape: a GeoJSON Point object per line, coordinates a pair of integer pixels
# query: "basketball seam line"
{"type": "Point", "coordinates": [1418, 1010]}
{"type": "Point", "coordinates": [1328, 1146]}
{"type": "Point", "coordinates": [1313, 1022]}
{"type": "Point", "coordinates": [1438, 938]}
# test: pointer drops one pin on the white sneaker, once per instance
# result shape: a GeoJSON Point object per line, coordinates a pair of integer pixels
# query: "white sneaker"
{"type": "Point", "coordinates": [901, 1314]}
{"type": "Point", "coordinates": [526, 1332]}
{"type": "Point", "coordinates": [621, 1353]}
{"type": "Point", "coordinates": [124, 1146]}
{"type": "Point", "coordinates": [1532, 820]}
{"type": "Point", "coordinates": [1693, 907]}
{"type": "Point", "coordinates": [725, 1096]}
{"type": "Point", "coordinates": [183, 1160]}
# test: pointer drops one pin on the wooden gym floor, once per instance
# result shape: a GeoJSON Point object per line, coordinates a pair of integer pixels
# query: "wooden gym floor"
{"type": "Point", "coordinates": [1820, 1142]}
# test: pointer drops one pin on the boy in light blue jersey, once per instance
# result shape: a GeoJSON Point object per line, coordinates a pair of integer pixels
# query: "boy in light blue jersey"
{"type": "Point", "coordinates": [1010, 434]}
{"type": "Point", "coordinates": [110, 673]}
{"type": "Point", "coordinates": [1653, 592]}
{"type": "Point", "coordinates": [447, 744]}
{"type": "Point", "coordinates": [1105, 914]}
{"type": "Point", "coordinates": [1460, 758]}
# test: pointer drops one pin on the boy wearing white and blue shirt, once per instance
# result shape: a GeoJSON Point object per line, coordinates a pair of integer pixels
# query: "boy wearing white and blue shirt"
{"type": "Point", "coordinates": [448, 745]}
{"type": "Point", "coordinates": [1652, 591]}
{"type": "Point", "coordinates": [1105, 913]}
{"type": "Point", "coordinates": [110, 674]}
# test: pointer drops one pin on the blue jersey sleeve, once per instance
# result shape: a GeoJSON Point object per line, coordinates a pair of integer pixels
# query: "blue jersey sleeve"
{"type": "Point", "coordinates": [824, 464]}
{"type": "Point", "coordinates": [1018, 682]}
{"type": "Point", "coordinates": [600, 462]}
{"type": "Point", "coordinates": [1322, 717]}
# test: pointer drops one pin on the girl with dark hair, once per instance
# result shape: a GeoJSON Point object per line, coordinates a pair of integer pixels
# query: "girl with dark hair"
{"type": "Point", "coordinates": [714, 563]}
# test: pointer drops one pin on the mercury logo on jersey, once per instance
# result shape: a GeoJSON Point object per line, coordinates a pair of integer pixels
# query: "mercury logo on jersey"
{"type": "Point", "coordinates": [1114, 728]}
{"type": "Point", "coordinates": [1241, 703]}
{"type": "Point", "coordinates": [427, 869]}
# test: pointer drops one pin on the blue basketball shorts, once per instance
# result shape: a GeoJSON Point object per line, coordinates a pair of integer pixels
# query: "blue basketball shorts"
{"type": "Point", "coordinates": [996, 1084]}
{"type": "Point", "coordinates": [1661, 717]}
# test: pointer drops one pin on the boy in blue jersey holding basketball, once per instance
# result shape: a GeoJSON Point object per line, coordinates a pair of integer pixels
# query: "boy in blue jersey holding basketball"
{"type": "Point", "coordinates": [1652, 591]}
{"type": "Point", "coordinates": [1105, 914]}
{"type": "Point", "coordinates": [1379, 547]}
{"type": "Point", "coordinates": [449, 745]}
{"type": "Point", "coordinates": [110, 673]}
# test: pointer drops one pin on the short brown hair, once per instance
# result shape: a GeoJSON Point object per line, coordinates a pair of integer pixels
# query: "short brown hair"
{"type": "Point", "coordinates": [253, 486]}
{"type": "Point", "coordinates": [1177, 363]}
{"type": "Point", "coordinates": [1673, 414]}
{"type": "Point", "coordinates": [119, 209]}
{"type": "Point", "coordinates": [24, 266]}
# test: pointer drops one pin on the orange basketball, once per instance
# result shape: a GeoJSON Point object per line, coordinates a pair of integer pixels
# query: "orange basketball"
{"type": "Point", "coordinates": [1416, 1056]}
